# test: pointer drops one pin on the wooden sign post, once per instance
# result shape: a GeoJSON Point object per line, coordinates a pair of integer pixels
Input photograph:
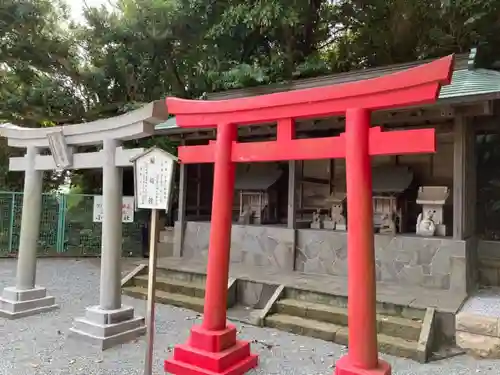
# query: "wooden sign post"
{"type": "Point", "coordinates": [153, 177]}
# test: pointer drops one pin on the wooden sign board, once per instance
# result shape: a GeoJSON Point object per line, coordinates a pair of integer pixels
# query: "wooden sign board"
{"type": "Point", "coordinates": [153, 179]}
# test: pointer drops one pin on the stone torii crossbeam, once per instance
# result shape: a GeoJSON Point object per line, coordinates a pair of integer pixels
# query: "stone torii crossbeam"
{"type": "Point", "coordinates": [109, 323]}
{"type": "Point", "coordinates": [213, 347]}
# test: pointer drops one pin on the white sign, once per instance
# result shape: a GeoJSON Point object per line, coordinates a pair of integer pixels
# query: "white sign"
{"type": "Point", "coordinates": [60, 152]}
{"type": "Point", "coordinates": [127, 209]}
{"type": "Point", "coordinates": [154, 173]}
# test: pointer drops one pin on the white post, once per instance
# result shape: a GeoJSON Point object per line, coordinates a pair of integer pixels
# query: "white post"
{"type": "Point", "coordinates": [110, 298]}
{"type": "Point", "coordinates": [25, 299]}
{"type": "Point", "coordinates": [110, 323]}
{"type": "Point", "coordinates": [30, 224]}
{"type": "Point", "coordinates": [150, 325]}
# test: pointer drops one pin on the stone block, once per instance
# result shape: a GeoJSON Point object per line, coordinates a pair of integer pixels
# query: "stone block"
{"type": "Point", "coordinates": [458, 276]}
{"type": "Point", "coordinates": [108, 328]}
{"type": "Point", "coordinates": [479, 345]}
{"type": "Point", "coordinates": [14, 294]}
{"type": "Point", "coordinates": [426, 337]}
{"type": "Point", "coordinates": [16, 303]}
{"type": "Point", "coordinates": [489, 276]}
{"type": "Point", "coordinates": [477, 324]}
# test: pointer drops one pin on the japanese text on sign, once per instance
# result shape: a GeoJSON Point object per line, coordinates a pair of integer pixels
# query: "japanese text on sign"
{"type": "Point", "coordinates": [154, 174]}
{"type": "Point", "coordinates": [127, 209]}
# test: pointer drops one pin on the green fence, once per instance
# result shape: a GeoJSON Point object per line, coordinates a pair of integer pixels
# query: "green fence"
{"type": "Point", "coordinates": [66, 226]}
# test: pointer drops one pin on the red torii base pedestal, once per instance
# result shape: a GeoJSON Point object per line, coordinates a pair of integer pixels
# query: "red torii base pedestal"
{"type": "Point", "coordinates": [212, 347]}
{"type": "Point", "coordinates": [212, 352]}
{"type": "Point", "coordinates": [345, 366]}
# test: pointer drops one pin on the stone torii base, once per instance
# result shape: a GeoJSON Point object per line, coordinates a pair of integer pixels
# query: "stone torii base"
{"type": "Point", "coordinates": [18, 303]}
{"type": "Point", "coordinates": [107, 328]}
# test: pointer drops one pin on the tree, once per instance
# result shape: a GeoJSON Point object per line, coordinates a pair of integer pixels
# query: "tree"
{"type": "Point", "coordinates": [37, 65]}
{"type": "Point", "coordinates": [53, 72]}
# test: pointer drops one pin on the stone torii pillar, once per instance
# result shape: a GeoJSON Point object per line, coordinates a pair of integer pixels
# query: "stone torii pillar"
{"type": "Point", "coordinates": [26, 298]}
{"type": "Point", "coordinates": [108, 323]}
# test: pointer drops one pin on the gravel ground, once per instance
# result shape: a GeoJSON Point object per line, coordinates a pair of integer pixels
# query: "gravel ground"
{"type": "Point", "coordinates": [38, 345]}
{"type": "Point", "coordinates": [484, 302]}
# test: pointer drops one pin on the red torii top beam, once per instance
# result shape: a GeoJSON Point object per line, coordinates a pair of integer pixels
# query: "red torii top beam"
{"type": "Point", "coordinates": [419, 85]}
{"type": "Point", "coordinates": [213, 348]}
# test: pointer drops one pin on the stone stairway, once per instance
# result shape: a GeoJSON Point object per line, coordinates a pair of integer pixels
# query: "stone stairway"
{"type": "Point", "coordinates": [179, 289]}
{"type": "Point", "coordinates": [399, 329]}
{"type": "Point", "coordinates": [402, 331]}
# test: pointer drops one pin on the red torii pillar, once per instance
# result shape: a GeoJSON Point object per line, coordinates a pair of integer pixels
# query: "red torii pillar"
{"type": "Point", "coordinates": [212, 347]}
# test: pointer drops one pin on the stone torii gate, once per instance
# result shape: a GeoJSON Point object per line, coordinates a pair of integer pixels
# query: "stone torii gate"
{"type": "Point", "coordinates": [213, 347]}
{"type": "Point", "coordinates": [109, 323]}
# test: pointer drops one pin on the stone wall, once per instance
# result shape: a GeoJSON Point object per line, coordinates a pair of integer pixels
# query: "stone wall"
{"type": "Point", "coordinates": [437, 263]}
{"type": "Point", "coordinates": [428, 262]}
{"type": "Point", "coordinates": [489, 263]}
{"type": "Point", "coordinates": [252, 245]}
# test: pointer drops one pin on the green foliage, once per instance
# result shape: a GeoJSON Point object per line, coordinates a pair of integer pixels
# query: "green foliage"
{"type": "Point", "coordinates": [54, 72]}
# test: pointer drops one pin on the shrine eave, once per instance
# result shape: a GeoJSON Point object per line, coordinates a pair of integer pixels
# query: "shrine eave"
{"type": "Point", "coordinates": [415, 86]}
{"type": "Point", "coordinates": [468, 85]}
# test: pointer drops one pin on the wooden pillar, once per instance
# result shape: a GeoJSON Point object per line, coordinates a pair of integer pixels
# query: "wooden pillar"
{"type": "Point", "coordinates": [292, 194]}
{"type": "Point", "coordinates": [463, 180]}
{"type": "Point", "coordinates": [180, 224]}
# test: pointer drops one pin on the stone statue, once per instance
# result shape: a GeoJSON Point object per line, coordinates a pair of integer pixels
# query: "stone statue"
{"type": "Point", "coordinates": [425, 224]}
{"type": "Point", "coordinates": [338, 217]}
{"type": "Point", "coordinates": [316, 220]}
{"type": "Point", "coordinates": [432, 200]}
{"type": "Point", "coordinates": [246, 216]}
{"type": "Point", "coordinates": [388, 226]}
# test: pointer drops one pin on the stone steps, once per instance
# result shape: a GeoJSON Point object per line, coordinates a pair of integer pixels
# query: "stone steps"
{"type": "Point", "coordinates": [397, 335]}
{"type": "Point", "coordinates": [408, 329]}
{"type": "Point", "coordinates": [174, 299]}
{"type": "Point", "coordinates": [339, 334]}
{"type": "Point", "coordinates": [176, 288]}
{"type": "Point", "coordinates": [188, 288]}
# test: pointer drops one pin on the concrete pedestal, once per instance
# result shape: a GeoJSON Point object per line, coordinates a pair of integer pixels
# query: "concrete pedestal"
{"type": "Point", "coordinates": [16, 303]}
{"type": "Point", "coordinates": [108, 328]}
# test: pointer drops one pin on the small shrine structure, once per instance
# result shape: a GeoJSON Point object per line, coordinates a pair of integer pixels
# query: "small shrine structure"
{"type": "Point", "coordinates": [109, 323]}
{"type": "Point", "coordinates": [256, 191]}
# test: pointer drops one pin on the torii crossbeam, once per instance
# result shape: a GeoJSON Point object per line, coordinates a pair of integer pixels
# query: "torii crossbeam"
{"type": "Point", "coordinates": [213, 347]}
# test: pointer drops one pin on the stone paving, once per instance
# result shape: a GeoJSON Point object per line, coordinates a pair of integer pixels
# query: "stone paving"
{"type": "Point", "coordinates": [38, 345]}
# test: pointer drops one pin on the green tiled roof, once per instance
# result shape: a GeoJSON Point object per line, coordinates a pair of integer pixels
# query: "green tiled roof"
{"type": "Point", "coordinates": [463, 83]}
{"type": "Point", "coordinates": [169, 124]}
{"type": "Point", "coordinates": [471, 82]}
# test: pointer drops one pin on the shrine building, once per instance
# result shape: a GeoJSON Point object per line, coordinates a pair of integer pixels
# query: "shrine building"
{"type": "Point", "coordinates": [436, 216]}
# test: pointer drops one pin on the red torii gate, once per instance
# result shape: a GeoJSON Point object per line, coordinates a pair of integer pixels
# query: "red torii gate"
{"type": "Point", "coordinates": [213, 347]}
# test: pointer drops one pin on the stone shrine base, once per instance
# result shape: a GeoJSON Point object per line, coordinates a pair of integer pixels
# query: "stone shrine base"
{"type": "Point", "coordinates": [108, 328]}
{"type": "Point", "coordinates": [16, 303]}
